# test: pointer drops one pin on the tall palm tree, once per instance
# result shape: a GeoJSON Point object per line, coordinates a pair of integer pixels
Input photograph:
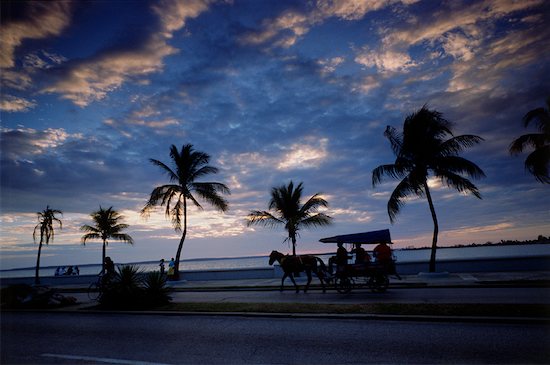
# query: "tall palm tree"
{"type": "Point", "coordinates": [538, 161]}
{"type": "Point", "coordinates": [46, 219]}
{"type": "Point", "coordinates": [420, 150]}
{"type": "Point", "coordinates": [188, 166]}
{"type": "Point", "coordinates": [288, 211]}
{"type": "Point", "coordinates": [107, 225]}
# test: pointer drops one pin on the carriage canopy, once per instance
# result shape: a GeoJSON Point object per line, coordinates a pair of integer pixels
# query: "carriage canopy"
{"type": "Point", "coordinates": [362, 238]}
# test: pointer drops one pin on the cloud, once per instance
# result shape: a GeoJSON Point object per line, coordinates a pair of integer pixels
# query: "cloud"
{"type": "Point", "coordinates": [41, 20]}
{"type": "Point", "coordinates": [304, 155]}
{"type": "Point", "coordinates": [385, 60]}
{"type": "Point", "coordinates": [11, 103]}
{"type": "Point", "coordinates": [86, 81]}
{"type": "Point", "coordinates": [285, 29]}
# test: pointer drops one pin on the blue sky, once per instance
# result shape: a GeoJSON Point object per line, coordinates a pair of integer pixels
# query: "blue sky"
{"type": "Point", "coordinates": [274, 91]}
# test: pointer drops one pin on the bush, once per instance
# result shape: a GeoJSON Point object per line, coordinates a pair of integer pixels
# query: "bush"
{"type": "Point", "coordinates": [156, 291]}
{"type": "Point", "coordinates": [129, 289]}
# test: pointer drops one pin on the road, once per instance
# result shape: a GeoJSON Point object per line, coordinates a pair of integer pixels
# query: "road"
{"type": "Point", "coordinates": [89, 338]}
{"type": "Point", "coordinates": [401, 295]}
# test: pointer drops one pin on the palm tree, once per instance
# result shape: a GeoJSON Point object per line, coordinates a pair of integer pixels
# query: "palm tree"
{"type": "Point", "coordinates": [420, 150]}
{"type": "Point", "coordinates": [107, 225]}
{"type": "Point", "coordinates": [46, 218]}
{"type": "Point", "coordinates": [188, 166]}
{"type": "Point", "coordinates": [288, 211]}
{"type": "Point", "coordinates": [538, 161]}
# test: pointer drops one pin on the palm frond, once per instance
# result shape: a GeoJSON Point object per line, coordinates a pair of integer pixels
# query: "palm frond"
{"type": "Point", "coordinates": [405, 188]}
{"type": "Point", "coordinates": [460, 183]}
{"type": "Point", "coordinates": [317, 220]}
{"type": "Point", "coordinates": [455, 145]}
{"type": "Point", "coordinates": [458, 165]}
{"type": "Point", "coordinates": [257, 217]}
{"type": "Point", "coordinates": [535, 140]}
{"type": "Point", "coordinates": [538, 163]}
{"type": "Point", "coordinates": [313, 203]}
{"type": "Point", "coordinates": [173, 176]}
{"type": "Point", "coordinates": [395, 171]}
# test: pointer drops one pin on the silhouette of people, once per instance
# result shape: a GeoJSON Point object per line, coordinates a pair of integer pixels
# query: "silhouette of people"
{"type": "Point", "coordinates": [109, 272]}
{"type": "Point", "coordinates": [69, 271]}
{"type": "Point", "coordinates": [171, 268]}
{"type": "Point", "coordinates": [341, 258]}
{"type": "Point", "coordinates": [76, 270]}
{"type": "Point", "coordinates": [384, 256]}
{"type": "Point", "coordinates": [382, 252]}
{"type": "Point", "coordinates": [161, 266]}
{"type": "Point", "coordinates": [361, 256]}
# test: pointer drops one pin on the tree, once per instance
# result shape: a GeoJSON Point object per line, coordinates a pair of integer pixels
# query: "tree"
{"type": "Point", "coordinates": [538, 161]}
{"type": "Point", "coordinates": [188, 166]}
{"type": "Point", "coordinates": [46, 220]}
{"type": "Point", "coordinates": [420, 150]}
{"type": "Point", "coordinates": [288, 211]}
{"type": "Point", "coordinates": [107, 225]}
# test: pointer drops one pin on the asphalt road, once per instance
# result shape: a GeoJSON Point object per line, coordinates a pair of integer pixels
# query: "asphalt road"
{"type": "Point", "coordinates": [87, 338]}
{"type": "Point", "coordinates": [401, 295]}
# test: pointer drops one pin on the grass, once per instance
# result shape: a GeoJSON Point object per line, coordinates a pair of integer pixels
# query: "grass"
{"type": "Point", "coordinates": [487, 310]}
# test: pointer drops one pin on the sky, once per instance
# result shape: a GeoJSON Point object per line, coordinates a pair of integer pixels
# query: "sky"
{"type": "Point", "coordinates": [273, 91]}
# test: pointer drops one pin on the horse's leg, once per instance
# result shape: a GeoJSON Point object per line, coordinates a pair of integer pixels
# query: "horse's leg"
{"type": "Point", "coordinates": [294, 282]}
{"type": "Point", "coordinates": [308, 273]}
{"type": "Point", "coordinates": [321, 276]}
{"type": "Point", "coordinates": [283, 281]}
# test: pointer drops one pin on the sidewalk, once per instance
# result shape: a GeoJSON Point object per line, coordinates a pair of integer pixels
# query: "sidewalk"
{"type": "Point", "coordinates": [522, 278]}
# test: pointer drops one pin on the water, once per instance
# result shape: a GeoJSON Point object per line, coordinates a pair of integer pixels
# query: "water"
{"type": "Point", "coordinates": [420, 255]}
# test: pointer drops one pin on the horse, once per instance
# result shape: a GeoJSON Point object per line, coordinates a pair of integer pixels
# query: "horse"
{"type": "Point", "coordinates": [294, 264]}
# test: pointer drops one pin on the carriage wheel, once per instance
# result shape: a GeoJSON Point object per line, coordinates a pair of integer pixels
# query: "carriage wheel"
{"type": "Point", "coordinates": [379, 283]}
{"type": "Point", "coordinates": [343, 285]}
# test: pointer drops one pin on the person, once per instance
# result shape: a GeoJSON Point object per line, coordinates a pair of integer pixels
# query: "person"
{"type": "Point", "coordinates": [382, 252]}
{"type": "Point", "coordinates": [109, 271]}
{"type": "Point", "coordinates": [361, 256]}
{"type": "Point", "coordinates": [161, 266]}
{"type": "Point", "coordinates": [384, 256]}
{"type": "Point", "coordinates": [69, 271]}
{"type": "Point", "coordinates": [171, 268]}
{"type": "Point", "coordinates": [58, 271]}
{"type": "Point", "coordinates": [76, 270]}
{"type": "Point", "coordinates": [341, 259]}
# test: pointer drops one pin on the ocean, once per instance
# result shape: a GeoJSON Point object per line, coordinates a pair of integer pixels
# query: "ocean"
{"type": "Point", "coordinates": [401, 255]}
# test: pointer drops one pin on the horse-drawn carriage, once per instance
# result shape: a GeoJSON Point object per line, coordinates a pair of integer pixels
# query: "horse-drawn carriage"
{"type": "Point", "coordinates": [365, 273]}
{"type": "Point", "coordinates": [347, 275]}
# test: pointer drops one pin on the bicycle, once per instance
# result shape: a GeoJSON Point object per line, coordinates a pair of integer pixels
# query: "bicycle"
{"type": "Point", "coordinates": [98, 287]}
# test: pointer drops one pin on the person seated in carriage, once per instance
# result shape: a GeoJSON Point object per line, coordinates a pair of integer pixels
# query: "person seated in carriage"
{"type": "Point", "coordinates": [341, 259]}
{"type": "Point", "coordinates": [384, 256]}
{"type": "Point", "coordinates": [362, 257]}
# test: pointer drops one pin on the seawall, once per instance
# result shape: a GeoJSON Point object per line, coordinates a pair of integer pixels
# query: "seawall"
{"type": "Point", "coordinates": [529, 263]}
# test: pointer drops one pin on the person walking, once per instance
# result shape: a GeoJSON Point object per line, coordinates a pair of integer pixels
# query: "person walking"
{"type": "Point", "coordinates": [161, 266]}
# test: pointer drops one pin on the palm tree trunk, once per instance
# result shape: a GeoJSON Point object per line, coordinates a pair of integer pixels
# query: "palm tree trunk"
{"type": "Point", "coordinates": [293, 245]}
{"type": "Point", "coordinates": [36, 274]}
{"type": "Point", "coordinates": [436, 227]}
{"type": "Point", "coordinates": [103, 255]}
{"type": "Point", "coordinates": [180, 247]}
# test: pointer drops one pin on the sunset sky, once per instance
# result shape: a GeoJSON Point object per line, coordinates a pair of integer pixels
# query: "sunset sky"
{"type": "Point", "coordinates": [273, 90]}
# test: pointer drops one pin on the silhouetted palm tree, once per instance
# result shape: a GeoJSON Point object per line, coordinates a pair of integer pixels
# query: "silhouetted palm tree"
{"type": "Point", "coordinates": [107, 225]}
{"type": "Point", "coordinates": [538, 161]}
{"type": "Point", "coordinates": [46, 218]}
{"type": "Point", "coordinates": [288, 211]}
{"type": "Point", "coordinates": [188, 166]}
{"type": "Point", "coordinates": [422, 149]}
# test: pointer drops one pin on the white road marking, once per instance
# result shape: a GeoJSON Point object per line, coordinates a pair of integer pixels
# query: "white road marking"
{"type": "Point", "coordinates": [102, 359]}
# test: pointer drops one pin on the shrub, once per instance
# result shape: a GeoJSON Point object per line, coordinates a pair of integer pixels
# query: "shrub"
{"type": "Point", "coordinates": [132, 289]}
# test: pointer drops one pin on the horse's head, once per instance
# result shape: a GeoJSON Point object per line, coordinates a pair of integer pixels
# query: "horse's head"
{"type": "Point", "coordinates": [274, 256]}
